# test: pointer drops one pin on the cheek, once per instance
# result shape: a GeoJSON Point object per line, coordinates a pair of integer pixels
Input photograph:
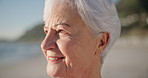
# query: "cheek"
{"type": "Point", "coordinates": [67, 48]}
{"type": "Point", "coordinates": [65, 45]}
{"type": "Point", "coordinates": [76, 57]}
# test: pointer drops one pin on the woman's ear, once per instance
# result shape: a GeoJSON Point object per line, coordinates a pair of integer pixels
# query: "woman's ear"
{"type": "Point", "coordinates": [103, 41]}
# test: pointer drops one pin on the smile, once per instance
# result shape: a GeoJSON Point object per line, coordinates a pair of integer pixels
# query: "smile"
{"type": "Point", "coordinates": [55, 59]}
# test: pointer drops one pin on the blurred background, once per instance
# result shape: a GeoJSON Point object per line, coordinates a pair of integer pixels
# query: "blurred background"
{"type": "Point", "coordinates": [21, 32]}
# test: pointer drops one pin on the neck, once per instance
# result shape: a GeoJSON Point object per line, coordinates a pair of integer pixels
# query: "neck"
{"type": "Point", "coordinates": [93, 72]}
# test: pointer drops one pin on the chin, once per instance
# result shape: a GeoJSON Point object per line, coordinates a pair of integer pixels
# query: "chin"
{"type": "Point", "coordinates": [57, 71]}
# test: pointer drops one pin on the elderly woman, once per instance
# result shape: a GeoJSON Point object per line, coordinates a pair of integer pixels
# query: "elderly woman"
{"type": "Point", "coordinates": [79, 34]}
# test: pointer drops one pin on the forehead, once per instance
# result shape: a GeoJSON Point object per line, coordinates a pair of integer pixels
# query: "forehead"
{"type": "Point", "coordinates": [62, 8]}
{"type": "Point", "coordinates": [63, 12]}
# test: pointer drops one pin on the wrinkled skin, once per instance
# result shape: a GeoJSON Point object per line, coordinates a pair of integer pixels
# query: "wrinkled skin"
{"type": "Point", "coordinates": [69, 37]}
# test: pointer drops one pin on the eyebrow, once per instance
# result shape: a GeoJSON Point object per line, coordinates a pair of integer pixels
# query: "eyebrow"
{"type": "Point", "coordinates": [62, 24]}
{"type": "Point", "coordinates": [45, 26]}
{"type": "Point", "coordinates": [65, 24]}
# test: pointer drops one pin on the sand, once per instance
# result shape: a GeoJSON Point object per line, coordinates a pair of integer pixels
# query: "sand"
{"type": "Point", "coordinates": [128, 59]}
{"type": "Point", "coordinates": [30, 68]}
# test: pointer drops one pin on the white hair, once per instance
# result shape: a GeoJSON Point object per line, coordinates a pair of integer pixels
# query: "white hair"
{"type": "Point", "coordinates": [99, 15]}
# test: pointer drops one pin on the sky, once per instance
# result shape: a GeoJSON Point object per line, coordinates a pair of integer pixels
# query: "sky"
{"type": "Point", "coordinates": [17, 16]}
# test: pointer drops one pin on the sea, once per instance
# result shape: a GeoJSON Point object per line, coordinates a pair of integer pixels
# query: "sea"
{"type": "Point", "coordinates": [12, 52]}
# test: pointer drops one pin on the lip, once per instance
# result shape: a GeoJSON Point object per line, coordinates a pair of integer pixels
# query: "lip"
{"type": "Point", "coordinates": [55, 59]}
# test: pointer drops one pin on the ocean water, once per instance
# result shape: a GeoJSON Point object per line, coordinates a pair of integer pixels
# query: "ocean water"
{"type": "Point", "coordinates": [16, 51]}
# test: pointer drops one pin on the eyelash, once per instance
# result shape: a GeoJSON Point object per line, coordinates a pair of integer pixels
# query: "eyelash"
{"type": "Point", "coordinates": [60, 31]}
{"type": "Point", "coordinates": [57, 32]}
{"type": "Point", "coordinates": [46, 31]}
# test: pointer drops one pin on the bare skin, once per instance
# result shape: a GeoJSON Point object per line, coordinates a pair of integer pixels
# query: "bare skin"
{"type": "Point", "coordinates": [71, 50]}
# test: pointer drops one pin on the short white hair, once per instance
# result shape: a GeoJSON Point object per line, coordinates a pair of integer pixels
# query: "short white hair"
{"type": "Point", "coordinates": [99, 15]}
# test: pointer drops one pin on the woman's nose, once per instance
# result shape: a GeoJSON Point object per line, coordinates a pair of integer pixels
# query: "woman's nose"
{"type": "Point", "coordinates": [49, 43]}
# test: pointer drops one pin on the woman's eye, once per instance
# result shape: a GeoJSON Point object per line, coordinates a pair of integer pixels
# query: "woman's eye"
{"type": "Point", "coordinates": [62, 32]}
{"type": "Point", "coordinates": [46, 31]}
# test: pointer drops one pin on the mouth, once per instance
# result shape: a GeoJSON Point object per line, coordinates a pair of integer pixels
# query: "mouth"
{"type": "Point", "coordinates": [55, 59]}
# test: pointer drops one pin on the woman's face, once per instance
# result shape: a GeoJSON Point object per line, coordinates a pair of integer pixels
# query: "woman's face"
{"type": "Point", "coordinates": [69, 46]}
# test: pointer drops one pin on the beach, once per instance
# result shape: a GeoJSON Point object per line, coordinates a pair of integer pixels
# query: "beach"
{"type": "Point", "coordinates": [30, 68]}
{"type": "Point", "coordinates": [127, 59]}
